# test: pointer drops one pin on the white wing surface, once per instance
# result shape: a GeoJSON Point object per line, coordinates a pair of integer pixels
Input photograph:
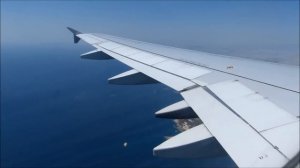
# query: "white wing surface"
{"type": "Point", "coordinates": [249, 108]}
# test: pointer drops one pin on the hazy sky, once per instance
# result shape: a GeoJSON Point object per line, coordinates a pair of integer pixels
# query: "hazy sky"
{"type": "Point", "coordinates": [218, 24]}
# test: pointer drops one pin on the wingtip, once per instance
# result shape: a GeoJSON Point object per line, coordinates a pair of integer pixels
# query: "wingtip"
{"type": "Point", "coordinates": [75, 32]}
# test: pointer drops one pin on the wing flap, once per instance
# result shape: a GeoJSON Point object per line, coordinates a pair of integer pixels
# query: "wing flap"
{"type": "Point", "coordinates": [110, 45]}
{"type": "Point", "coordinates": [182, 69]}
{"type": "Point", "coordinates": [185, 70]}
{"type": "Point", "coordinates": [126, 51]}
{"type": "Point", "coordinates": [285, 138]}
{"type": "Point", "coordinates": [173, 81]}
{"type": "Point", "coordinates": [147, 58]}
{"type": "Point", "coordinates": [245, 145]}
{"type": "Point", "coordinates": [289, 101]}
{"type": "Point", "coordinates": [255, 109]}
{"type": "Point", "coordinates": [87, 38]}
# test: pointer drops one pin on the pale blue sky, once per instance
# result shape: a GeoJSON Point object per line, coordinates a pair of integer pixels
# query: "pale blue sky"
{"type": "Point", "coordinates": [223, 24]}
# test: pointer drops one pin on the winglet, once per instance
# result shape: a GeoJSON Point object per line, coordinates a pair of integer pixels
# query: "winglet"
{"type": "Point", "coordinates": [75, 33]}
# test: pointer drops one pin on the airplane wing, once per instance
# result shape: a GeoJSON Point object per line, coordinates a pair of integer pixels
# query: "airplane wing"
{"type": "Point", "coordinates": [249, 108]}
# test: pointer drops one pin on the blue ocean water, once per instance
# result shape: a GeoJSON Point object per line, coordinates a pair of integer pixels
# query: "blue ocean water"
{"type": "Point", "coordinates": [58, 110]}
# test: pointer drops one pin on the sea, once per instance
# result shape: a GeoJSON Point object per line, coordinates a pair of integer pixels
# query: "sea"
{"type": "Point", "coordinates": [58, 110]}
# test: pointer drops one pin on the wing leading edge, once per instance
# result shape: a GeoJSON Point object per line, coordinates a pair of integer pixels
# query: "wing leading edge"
{"type": "Point", "coordinates": [243, 115]}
